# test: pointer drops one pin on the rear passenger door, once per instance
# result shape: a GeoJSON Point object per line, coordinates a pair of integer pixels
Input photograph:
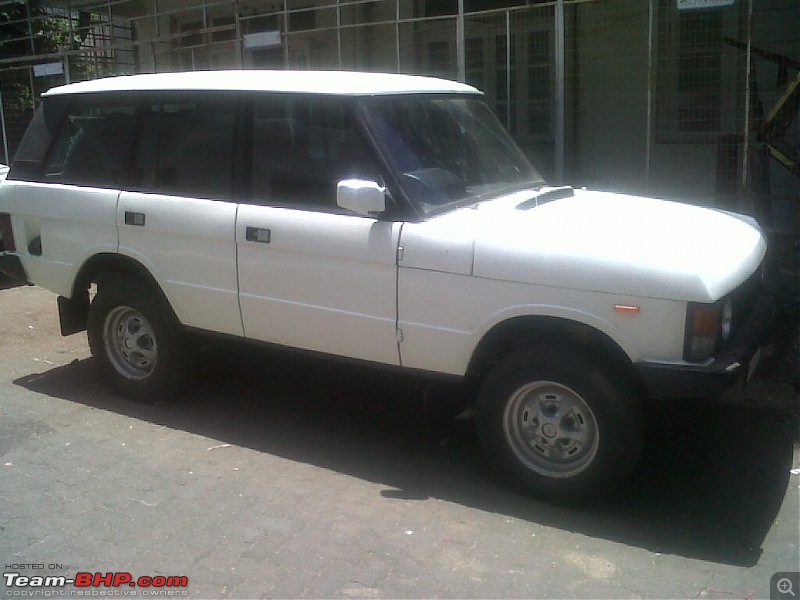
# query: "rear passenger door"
{"type": "Point", "coordinates": [177, 216]}
{"type": "Point", "coordinates": [312, 275]}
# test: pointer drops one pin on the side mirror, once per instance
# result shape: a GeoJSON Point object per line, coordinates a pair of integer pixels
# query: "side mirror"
{"type": "Point", "coordinates": [361, 196]}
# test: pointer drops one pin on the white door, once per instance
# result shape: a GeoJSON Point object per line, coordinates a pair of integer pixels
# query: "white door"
{"type": "Point", "coordinates": [188, 246]}
{"type": "Point", "coordinates": [319, 281]}
{"type": "Point", "coordinates": [312, 275]}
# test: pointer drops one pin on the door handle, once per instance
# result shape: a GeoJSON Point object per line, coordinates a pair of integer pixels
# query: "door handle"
{"type": "Point", "coordinates": [257, 234]}
{"type": "Point", "coordinates": [134, 218]}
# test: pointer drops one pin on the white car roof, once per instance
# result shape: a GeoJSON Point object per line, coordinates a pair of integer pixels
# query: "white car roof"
{"type": "Point", "coordinates": [307, 82]}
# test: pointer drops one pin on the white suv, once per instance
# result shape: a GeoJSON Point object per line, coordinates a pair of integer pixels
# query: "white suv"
{"type": "Point", "coordinates": [388, 219]}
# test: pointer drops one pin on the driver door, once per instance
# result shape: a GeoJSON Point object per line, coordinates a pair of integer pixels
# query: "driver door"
{"type": "Point", "coordinates": [312, 275]}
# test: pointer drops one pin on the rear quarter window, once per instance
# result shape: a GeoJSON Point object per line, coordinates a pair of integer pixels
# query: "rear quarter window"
{"type": "Point", "coordinates": [93, 144]}
{"type": "Point", "coordinates": [37, 139]}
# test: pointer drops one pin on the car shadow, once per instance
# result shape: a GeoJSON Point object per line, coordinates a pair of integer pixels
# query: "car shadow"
{"type": "Point", "coordinates": [710, 484]}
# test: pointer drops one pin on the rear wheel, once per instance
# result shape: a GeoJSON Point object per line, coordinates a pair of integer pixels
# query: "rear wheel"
{"type": "Point", "coordinates": [136, 341]}
{"type": "Point", "coordinates": [559, 425]}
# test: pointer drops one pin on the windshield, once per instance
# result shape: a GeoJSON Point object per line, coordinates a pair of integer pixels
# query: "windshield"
{"type": "Point", "coordinates": [448, 151]}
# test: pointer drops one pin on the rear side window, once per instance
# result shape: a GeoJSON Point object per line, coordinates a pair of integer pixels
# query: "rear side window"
{"type": "Point", "coordinates": [93, 145]}
{"type": "Point", "coordinates": [186, 147]}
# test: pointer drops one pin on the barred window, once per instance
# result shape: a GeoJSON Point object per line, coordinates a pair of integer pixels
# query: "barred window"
{"type": "Point", "coordinates": [699, 71]}
{"type": "Point", "coordinates": [689, 86]}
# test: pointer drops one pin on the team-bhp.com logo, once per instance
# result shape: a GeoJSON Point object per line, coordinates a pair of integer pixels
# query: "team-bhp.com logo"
{"type": "Point", "coordinates": [156, 585]}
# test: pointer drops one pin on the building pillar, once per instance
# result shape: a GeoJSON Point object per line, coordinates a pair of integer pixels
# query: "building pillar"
{"type": "Point", "coordinates": [560, 38]}
{"type": "Point", "coordinates": [461, 54]}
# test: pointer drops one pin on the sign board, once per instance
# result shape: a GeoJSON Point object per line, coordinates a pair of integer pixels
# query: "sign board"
{"type": "Point", "coordinates": [695, 4]}
{"type": "Point", "coordinates": [51, 68]}
{"type": "Point", "coordinates": [262, 39]}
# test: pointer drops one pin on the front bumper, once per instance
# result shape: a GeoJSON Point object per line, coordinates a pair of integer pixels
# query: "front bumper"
{"type": "Point", "coordinates": [11, 265]}
{"type": "Point", "coordinates": [669, 381]}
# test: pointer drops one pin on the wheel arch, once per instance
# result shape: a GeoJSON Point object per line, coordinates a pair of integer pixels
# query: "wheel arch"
{"type": "Point", "coordinates": [103, 268]}
{"type": "Point", "coordinates": [520, 332]}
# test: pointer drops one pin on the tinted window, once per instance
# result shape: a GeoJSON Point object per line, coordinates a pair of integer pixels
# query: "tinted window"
{"type": "Point", "coordinates": [302, 147]}
{"type": "Point", "coordinates": [448, 149]}
{"type": "Point", "coordinates": [93, 145]}
{"type": "Point", "coordinates": [186, 147]}
{"type": "Point", "coordinates": [31, 151]}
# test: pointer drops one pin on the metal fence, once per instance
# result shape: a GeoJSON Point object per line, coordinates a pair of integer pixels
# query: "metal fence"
{"type": "Point", "coordinates": [664, 97]}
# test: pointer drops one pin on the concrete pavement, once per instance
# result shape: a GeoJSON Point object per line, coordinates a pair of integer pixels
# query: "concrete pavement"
{"type": "Point", "coordinates": [275, 476]}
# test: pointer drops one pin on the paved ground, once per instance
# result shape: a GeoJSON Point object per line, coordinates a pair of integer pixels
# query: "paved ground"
{"type": "Point", "coordinates": [278, 477]}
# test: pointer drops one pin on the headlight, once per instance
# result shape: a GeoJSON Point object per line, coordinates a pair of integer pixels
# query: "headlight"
{"type": "Point", "coordinates": [707, 325]}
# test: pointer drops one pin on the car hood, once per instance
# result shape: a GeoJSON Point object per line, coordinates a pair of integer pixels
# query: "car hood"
{"type": "Point", "coordinates": [615, 243]}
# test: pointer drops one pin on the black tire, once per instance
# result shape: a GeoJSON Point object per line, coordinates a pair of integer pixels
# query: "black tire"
{"type": "Point", "coordinates": [136, 340]}
{"type": "Point", "coordinates": [559, 425]}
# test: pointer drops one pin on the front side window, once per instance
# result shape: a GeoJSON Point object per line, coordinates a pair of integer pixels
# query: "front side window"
{"type": "Point", "coordinates": [186, 147]}
{"type": "Point", "coordinates": [448, 151]}
{"type": "Point", "coordinates": [302, 147]}
{"type": "Point", "coordinates": [93, 145]}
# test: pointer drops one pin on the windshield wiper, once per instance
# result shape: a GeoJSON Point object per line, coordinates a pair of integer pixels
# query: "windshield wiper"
{"type": "Point", "coordinates": [547, 194]}
{"type": "Point", "coordinates": [494, 192]}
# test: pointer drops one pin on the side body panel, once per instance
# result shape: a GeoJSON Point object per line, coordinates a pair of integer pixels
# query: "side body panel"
{"type": "Point", "coordinates": [445, 310]}
{"type": "Point", "coordinates": [444, 316]}
{"type": "Point", "coordinates": [72, 222]}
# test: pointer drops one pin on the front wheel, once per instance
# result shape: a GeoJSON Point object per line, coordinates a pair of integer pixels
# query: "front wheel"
{"type": "Point", "coordinates": [136, 341]}
{"type": "Point", "coordinates": [559, 425]}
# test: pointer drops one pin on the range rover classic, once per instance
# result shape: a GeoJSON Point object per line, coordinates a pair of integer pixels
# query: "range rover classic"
{"type": "Point", "coordinates": [388, 219]}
